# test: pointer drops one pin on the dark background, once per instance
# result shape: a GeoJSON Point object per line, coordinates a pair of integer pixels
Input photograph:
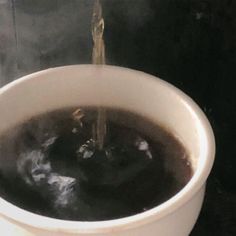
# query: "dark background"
{"type": "Point", "coordinates": [190, 43]}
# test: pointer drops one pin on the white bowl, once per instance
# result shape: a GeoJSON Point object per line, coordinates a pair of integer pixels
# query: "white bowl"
{"type": "Point", "coordinates": [116, 87]}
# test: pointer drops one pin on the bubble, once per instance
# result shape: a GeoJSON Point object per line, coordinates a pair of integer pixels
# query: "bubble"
{"type": "Point", "coordinates": [143, 145]}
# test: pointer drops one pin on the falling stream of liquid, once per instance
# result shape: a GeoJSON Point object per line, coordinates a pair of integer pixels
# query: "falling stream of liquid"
{"type": "Point", "coordinates": [98, 58]}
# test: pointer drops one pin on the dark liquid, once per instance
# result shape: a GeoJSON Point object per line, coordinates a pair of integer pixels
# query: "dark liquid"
{"type": "Point", "coordinates": [49, 165]}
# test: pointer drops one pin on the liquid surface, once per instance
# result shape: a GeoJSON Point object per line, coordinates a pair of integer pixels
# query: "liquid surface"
{"type": "Point", "coordinates": [49, 165]}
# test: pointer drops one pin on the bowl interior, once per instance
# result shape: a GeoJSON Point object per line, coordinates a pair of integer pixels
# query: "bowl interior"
{"type": "Point", "coordinates": [103, 86]}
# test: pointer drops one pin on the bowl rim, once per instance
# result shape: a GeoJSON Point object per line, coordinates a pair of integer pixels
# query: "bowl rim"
{"type": "Point", "coordinates": [20, 216]}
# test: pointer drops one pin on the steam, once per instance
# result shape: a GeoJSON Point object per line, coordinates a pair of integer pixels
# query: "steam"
{"type": "Point", "coordinates": [36, 171]}
{"type": "Point", "coordinates": [34, 142]}
{"type": "Point", "coordinates": [43, 34]}
{"type": "Point", "coordinates": [62, 187]}
{"type": "Point", "coordinates": [32, 167]}
{"type": "Point", "coordinates": [137, 13]}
